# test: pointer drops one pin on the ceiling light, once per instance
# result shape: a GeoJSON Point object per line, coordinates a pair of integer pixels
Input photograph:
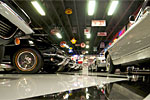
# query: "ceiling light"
{"type": "Point", "coordinates": [87, 52]}
{"type": "Point", "coordinates": [58, 35]}
{"type": "Point", "coordinates": [66, 45]}
{"type": "Point", "coordinates": [88, 36]}
{"type": "Point", "coordinates": [87, 46]}
{"type": "Point", "coordinates": [112, 7]}
{"type": "Point", "coordinates": [91, 7]}
{"type": "Point", "coordinates": [38, 7]}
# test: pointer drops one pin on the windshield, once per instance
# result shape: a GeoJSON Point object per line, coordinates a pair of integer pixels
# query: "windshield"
{"type": "Point", "coordinates": [17, 9]}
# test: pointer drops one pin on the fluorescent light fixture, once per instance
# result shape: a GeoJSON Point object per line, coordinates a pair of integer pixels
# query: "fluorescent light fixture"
{"type": "Point", "coordinates": [88, 36]}
{"type": "Point", "coordinates": [38, 7]}
{"type": "Point", "coordinates": [112, 7]}
{"type": "Point", "coordinates": [91, 7]}
{"type": "Point", "coordinates": [58, 35]}
{"type": "Point", "coordinates": [87, 46]}
{"type": "Point", "coordinates": [87, 52]}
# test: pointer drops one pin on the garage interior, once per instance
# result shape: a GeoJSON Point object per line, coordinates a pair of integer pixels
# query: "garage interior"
{"type": "Point", "coordinates": [61, 49]}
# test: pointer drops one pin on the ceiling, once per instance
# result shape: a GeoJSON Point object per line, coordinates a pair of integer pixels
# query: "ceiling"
{"type": "Point", "coordinates": [79, 20]}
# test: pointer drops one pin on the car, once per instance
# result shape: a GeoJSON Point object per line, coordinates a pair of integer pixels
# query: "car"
{"type": "Point", "coordinates": [101, 62]}
{"type": "Point", "coordinates": [35, 54]}
{"type": "Point", "coordinates": [93, 66]}
{"type": "Point", "coordinates": [133, 47]}
{"type": "Point", "coordinates": [14, 22]}
{"type": "Point", "coordinates": [29, 50]}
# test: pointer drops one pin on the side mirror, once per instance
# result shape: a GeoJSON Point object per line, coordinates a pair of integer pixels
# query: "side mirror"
{"type": "Point", "coordinates": [131, 18]}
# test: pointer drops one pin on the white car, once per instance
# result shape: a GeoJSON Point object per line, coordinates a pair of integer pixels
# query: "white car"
{"type": "Point", "coordinates": [101, 63]}
{"type": "Point", "coordinates": [133, 47]}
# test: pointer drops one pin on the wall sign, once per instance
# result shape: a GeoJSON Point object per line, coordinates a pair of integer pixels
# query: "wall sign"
{"type": "Point", "coordinates": [77, 45]}
{"type": "Point", "coordinates": [102, 45]}
{"type": "Point", "coordinates": [68, 11]}
{"type": "Point", "coordinates": [102, 34]}
{"type": "Point", "coordinates": [82, 45]}
{"type": "Point", "coordinates": [70, 50]}
{"type": "Point", "coordinates": [98, 22]}
{"type": "Point", "coordinates": [87, 30]}
{"type": "Point", "coordinates": [62, 44]}
{"type": "Point", "coordinates": [73, 41]}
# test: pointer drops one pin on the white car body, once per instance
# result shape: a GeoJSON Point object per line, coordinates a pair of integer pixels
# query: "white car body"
{"type": "Point", "coordinates": [14, 18]}
{"type": "Point", "coordinates": [101, 61]}
{"type": "Point", "coordinates": [134, 45]}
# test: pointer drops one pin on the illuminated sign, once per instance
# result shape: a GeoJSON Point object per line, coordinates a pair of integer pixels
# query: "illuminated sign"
{"type": "Point", "coordinates": [77, 45]}
{"type": "Point", "coordinates": [102, 45]}
{"type": "Point", "coordinates": [98, 22]}
{"type": "Point", "coordinates": [82, 45]}
{"type": "Point", "coordinates": [102, 34]}
{"type": "Point", "coordinates": [87, 30]}
{"type": "Point", "coordinates": [73, 41]}
{"type": "Point", "coordinates": [68, 11]}
{"type": "Point", "coordinates": [62, 44]}
{"type": "Point", "coordinates": [70, 50]}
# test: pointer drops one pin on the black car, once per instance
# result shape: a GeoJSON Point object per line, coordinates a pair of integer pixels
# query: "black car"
{"type": "Point", "coordinates": [35, 53]}
{"type": "Point", "coordinates": [14, 22]}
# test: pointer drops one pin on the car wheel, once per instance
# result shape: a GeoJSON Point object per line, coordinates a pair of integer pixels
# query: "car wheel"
{"type": "Point", "coordinates": [109, 65]}
{"type": "Point", "coordinates": [123, 69]}
{"type": "Point", "coordinates": [27, 60]}
{"type": "Point", "coordinates": [104, 69]}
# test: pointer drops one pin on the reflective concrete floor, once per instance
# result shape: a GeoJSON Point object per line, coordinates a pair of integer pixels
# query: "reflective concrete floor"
{"type": "Point", "coordinates": [81, 85]}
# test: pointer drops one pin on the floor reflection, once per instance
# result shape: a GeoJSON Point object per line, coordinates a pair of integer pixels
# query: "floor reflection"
{"type": "Point", "coordinates": [136, 88]}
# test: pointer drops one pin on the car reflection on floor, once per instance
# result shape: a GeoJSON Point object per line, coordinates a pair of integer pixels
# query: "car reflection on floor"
{"type": "Point", "coordinates": [136, 88]}
{"type": "Point", "coordinates": [75, 85]}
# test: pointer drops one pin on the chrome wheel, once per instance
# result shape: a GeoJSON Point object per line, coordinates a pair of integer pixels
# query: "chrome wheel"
{"type": "Point", "coordinates": [26, 60]}
{"type": "Point", "coordinates": [109, 65]}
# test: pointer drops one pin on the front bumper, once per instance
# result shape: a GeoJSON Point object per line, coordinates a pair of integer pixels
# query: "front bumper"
{"type": "Point", "coordinates": [101, 65]}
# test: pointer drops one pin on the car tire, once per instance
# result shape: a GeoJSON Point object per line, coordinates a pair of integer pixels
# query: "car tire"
{"type": "Point", "coordinates": [104, 69]}
{"type": "Point", "coordinates": [27, 60]}
{"type": "Point", "coordinates": [109, 65]}
{"type": "Point", "coordinates": [2, 51]}
{"type": "Point", "coordinates": [123, 69]}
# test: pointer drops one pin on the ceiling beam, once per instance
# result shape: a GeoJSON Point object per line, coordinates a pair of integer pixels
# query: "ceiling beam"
{"type": "Point", "coordinates": [106, 4]}
{"type": "Point", "coordinates": [120, 20]}
{"type": "Point", "coordinates": [52, 5]}
{"type": "Point", "coordinates": [76, 14]}
{"type": "Point", "coordinates": [35, 21]}
{"type": "Point", "coordinates": [62, 1]}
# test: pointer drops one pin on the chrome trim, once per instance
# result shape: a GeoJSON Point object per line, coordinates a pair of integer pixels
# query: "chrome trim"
{"type": "Point", "coordinates": [60, 56]}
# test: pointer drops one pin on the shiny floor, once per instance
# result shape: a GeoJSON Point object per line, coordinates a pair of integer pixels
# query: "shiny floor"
{"type": "Point", "coordinates": [81, 85]}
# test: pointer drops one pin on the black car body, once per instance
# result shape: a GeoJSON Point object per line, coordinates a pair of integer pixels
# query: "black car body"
{"type": "Point", "coordinates": [35, 49]}
{"type": "Point", "coordinates": [14, 22]}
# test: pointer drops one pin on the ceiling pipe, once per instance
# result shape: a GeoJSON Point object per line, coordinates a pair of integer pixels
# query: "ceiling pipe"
{"type": "Point", "coordinates": [76, 14]}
